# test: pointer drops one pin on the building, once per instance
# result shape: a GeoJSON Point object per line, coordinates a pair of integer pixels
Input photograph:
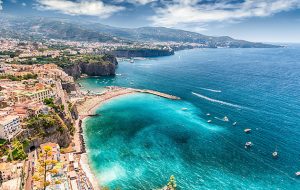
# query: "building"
{"type": "Point", "coordinates": [9, 126]}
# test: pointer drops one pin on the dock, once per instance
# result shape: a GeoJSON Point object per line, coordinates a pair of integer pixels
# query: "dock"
{"type": "Point", "coordinates": [164, 95]}
{"type": "Point", "coordinates": [132, 90]}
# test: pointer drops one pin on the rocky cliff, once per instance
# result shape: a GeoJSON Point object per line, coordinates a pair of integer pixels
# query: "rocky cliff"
{"type": "Point", "coordinates": [106, 66]}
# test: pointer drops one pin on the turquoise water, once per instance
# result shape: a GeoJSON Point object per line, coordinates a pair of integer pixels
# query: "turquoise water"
{"type": "Point", "coordinates": [140, 140]}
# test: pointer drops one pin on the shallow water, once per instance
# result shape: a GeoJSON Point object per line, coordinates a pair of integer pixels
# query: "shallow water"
{"type": "Point", "coordinates": [140, 140]}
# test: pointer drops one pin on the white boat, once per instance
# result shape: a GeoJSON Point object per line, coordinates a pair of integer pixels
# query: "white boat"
{"type": "Point", "coordinates": [234, 123]}
{"type": "Point", "coordinates": [297, 173]}
{"type": "Point", "coordinates": [208, 114]}
{"type": "Point", "coordinates": [209, 121]}
{"type": "Point", "coordinates": [275, 154]}
{"type": "Point", "coordinates": [225, 119]}
{"type": "Point", "coordinates": [183, 109]}
{"type": "Point", "coordinates": [247, 130]}
{"type": "Point", "coordinates": [248, 144]}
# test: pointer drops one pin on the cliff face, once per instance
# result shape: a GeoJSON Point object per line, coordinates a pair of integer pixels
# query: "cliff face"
{"type": "Point", "coordinates": [101, 68]}
{"type": "Point", "coordinates": [142, 53]}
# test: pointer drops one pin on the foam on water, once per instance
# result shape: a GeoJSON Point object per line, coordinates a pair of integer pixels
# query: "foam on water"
{"type": "Point", "coordinates": [218, 101]}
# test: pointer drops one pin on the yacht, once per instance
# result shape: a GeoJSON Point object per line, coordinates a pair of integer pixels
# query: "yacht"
{"type": "Point", "coordinates": [248, 144]}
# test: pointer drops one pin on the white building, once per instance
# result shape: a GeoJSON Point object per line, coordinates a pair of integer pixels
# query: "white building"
{"type": "Point", "coordinates": [9, 126]}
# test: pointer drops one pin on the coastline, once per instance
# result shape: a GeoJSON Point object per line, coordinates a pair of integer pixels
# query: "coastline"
{"type": "Point", "coordinates": [87, 108]}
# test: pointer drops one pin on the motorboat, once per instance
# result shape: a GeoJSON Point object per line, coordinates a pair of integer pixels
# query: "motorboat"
{"type": "Point", "coordinates": [209, 121]}
{"type": "Point", "coordinates": [225, 118]}
{"type": "Point", "coordinates": [208, 114]}
{"type": "Point", "coordinates": [247, 130]}
{"type": "Point", "coordinates": [234, 124]}
{"type": "Point", "coordinates": [248, 144]}
{"type": "Point", "coordinates": [275, 154]}
{"type": "Point", "coordinates": [184, 109]}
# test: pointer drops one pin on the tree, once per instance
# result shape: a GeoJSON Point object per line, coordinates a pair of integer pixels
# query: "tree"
{"type": "Point", "coordinates": [48, 153]}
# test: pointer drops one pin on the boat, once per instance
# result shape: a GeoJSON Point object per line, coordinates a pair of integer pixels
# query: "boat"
{"type": "Point", "coordinates": [248, 144]}
{"type": "Point", "coordinates": [209, 121]}
{"type": "Point", "coordinates": [297, 173]}
{"type": "Point", "coordinates": [131, 60]}
{"type": "Point", "coordinates": [183, 109]}
{"type": "Point", "coordinates": [275, 154]}
{"type": "Point", "coordinates": [234, 124]}
{"type": "Point", "coordinates": [225, 118]}
{"type": "Point", "coordinates": [247, 130]}
{"type": "Point", "coordinates": [208, 114]}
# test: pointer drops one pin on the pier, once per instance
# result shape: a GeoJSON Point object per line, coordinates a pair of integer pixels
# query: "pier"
{"type": "Point", "coordinates": [164, 95]}
{"type": "Point", "coordinates": [160, 94]}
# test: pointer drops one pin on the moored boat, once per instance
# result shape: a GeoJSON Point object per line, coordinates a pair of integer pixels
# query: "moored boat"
{"type": "Point", "coordinates": [248, 144]}
{"type": "Point", "coordinates": [275, 154]}
{"type": "Point", "coordinates": [225, 118]}
{"type": "Point", "coordinates": [247, 130]}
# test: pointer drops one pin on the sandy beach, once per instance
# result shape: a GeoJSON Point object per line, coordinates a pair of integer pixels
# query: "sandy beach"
{"type": "Point", "coordinates": [92, 102]}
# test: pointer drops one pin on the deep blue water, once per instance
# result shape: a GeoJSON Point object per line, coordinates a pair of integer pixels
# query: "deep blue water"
{"type": "Point", "coordinates": [140, 140]}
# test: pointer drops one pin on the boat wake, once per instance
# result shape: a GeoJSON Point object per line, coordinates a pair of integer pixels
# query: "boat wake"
{"type": "Point", "coordinates": [211, 90]}
{"type": "Point", "coordinates": [218, 101]}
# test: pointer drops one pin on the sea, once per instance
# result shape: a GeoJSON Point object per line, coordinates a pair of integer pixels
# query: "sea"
{"type": "Point", "coordinates": [140, 140]}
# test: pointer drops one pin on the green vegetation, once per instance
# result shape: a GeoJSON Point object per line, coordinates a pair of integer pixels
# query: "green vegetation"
{"type": "Point", "coordinates": [2, 142]}
{"type": "Point", "coordinates": [19, 78]}
{"type": "Point", "coordinates": [50, 102]}
{"type": "Point", "coordinates": [44, 125]}
{"type": "Point", "coordinates": [17, 151]}
{"type": "Point", "coordinates": [65, 60]}
{"type": "Point", "coordinates": [11, 54]}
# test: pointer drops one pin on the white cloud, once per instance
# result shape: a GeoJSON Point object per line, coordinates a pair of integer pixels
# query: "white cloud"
{"type": "Point", "coordinates": [24, 4]}
{"type": "Point", "coordinates": [179, 12]}
{"type": "Point", "coordinates": [80, 7]}
{"type": "Point", "coordinates": [1, 5]}
{"type": "Point", "coordinates": [136, 2]}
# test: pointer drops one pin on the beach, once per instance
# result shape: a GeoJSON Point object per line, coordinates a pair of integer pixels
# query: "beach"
{"type": "Point", "coordinates": [87, 107]}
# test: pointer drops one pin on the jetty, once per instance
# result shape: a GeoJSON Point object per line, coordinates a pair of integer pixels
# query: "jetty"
{"type": "Point", "coordinates": [164, 95]}
{"type": "Point", "coordinates": [132, 90]}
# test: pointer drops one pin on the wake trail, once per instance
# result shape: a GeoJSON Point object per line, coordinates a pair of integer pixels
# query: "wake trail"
{"type": "Point", "coordinates": [211, 90]}
{"type": "Point", "coordinates": [220, 101]}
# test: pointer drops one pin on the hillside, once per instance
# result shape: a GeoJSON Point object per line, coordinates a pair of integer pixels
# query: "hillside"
{"type": "Point", "coordinates": [41, 28]}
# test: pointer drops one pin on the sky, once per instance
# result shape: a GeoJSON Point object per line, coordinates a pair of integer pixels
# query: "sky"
{"type": "Point", "coordinates": [254, 20]}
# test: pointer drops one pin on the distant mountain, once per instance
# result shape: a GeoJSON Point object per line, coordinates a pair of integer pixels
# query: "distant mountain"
{"type": "Point", "coordinates": [41, 28]}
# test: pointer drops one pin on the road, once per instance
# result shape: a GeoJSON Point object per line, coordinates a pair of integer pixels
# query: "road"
{"type": "Point", "coordinates": [32, 158]}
